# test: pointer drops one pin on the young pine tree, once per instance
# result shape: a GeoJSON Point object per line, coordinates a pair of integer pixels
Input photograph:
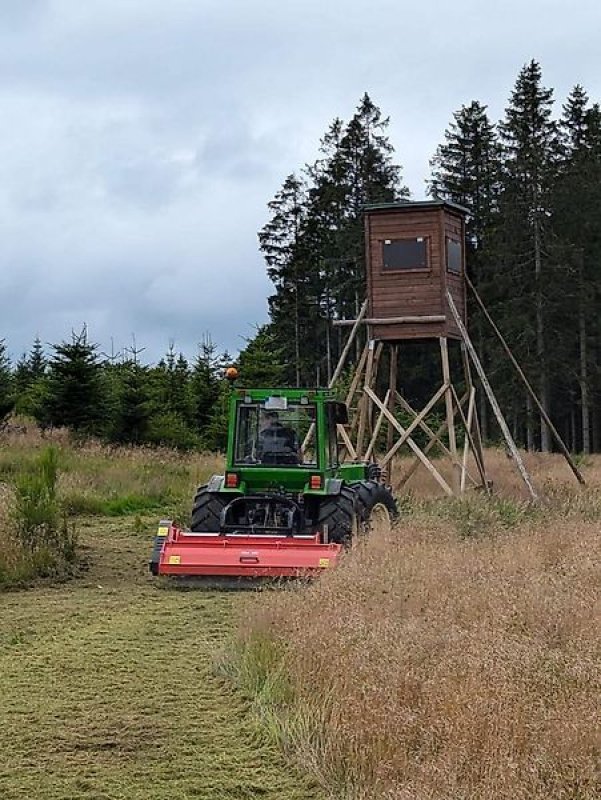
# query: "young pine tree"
{"type": "Point", "coordinates": [76, 393]}
{"type": "Point", "coordinates": [205, 384]}
{"type": "Point", "coordinates": [134, 410]}
{"type": "Point", "coordinates": [7, 401]}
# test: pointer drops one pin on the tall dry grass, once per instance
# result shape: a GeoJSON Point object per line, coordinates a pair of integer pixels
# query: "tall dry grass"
{"type": "Point", "coordinates": [458, 657]}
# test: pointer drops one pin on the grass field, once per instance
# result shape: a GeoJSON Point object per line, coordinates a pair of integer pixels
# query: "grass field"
{"type": "Point", "coordinates": [458, 658]}
{"type": "Point", "coordinates": [110, 689]}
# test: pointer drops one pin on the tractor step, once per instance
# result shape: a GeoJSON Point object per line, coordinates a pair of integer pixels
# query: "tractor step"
{"type": "Point", "coordinates": [185, 553]}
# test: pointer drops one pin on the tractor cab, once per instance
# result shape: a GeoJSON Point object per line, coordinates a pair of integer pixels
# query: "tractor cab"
{"type": "Point", "coordinates": [283, 437]}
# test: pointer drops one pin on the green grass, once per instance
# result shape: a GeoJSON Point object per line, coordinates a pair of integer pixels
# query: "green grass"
{"type": "Point", "coordinates": [99, 480]}
{"type": "Point", "coordinates": [111, 689]}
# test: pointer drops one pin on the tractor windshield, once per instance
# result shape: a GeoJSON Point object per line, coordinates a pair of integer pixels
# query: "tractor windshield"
{"type": "Point", "coordinates": [275, 437]}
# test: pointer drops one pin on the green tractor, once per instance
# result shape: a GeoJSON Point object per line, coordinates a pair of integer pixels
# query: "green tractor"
{"type": "Point", "coordinates": [287, 504]}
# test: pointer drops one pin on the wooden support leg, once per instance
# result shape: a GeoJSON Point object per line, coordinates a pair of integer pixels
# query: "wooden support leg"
{"type": "Point", "coordinates": [478, 448]}
{"type": "Point", "coordinates": [492, 399]}
{"type": "Point", "coordinates": [466, 443]}
{"type": "Point", "coordinates": [364, 402]}
{"type": "Point", "coordinates": [424, 459]}
{"type": "Point", "coordinates": [392, 380]}
{"type": "Point", "coordinates": [469, 438]}
{"type": "Point", "coordinates": [446, 375]}
{"type": "Point", "coordinates": [434, 437]}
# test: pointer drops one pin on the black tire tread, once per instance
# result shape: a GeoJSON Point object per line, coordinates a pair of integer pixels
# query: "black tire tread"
{"type": "Point", "coordinates": [206, 511]}
{"type": "Point", "coordinates": [339, 513]}
{"type": "Point", "coordinates": [371, 493]}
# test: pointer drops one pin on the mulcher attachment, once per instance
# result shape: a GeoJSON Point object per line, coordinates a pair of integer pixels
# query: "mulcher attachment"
{"type": "Point", "coordinates": [185, 553]}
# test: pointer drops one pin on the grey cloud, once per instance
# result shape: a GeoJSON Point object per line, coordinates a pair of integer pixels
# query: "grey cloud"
{"type": "Point", "coordinates": [141, 140]}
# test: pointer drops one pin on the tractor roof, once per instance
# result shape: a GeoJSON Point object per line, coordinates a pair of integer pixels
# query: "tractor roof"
{"type": "Point", "coordinates": [290, 394]}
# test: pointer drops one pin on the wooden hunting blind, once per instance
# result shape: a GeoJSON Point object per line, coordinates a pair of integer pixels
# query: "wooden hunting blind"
{"type": "Point", "coordinates": [416, 290]}
{"type": "Point", "coordinates": [415, 253]}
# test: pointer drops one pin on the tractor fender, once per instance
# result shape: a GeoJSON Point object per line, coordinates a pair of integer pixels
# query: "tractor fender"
{"type": "Point", "coordinates": [215, 483]}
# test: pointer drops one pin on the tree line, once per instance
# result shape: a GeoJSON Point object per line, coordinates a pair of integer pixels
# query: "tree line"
{"type": "Point", "coordinates": [118, 398]}
{"type": "Point", "coordinates": [531, 184]}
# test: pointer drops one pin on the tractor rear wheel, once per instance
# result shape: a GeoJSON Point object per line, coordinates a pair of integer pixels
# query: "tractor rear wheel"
{"type": "Point", "coordinates": [376, 507]}
{"type": "Point", "coordinates": [206, 511]}
{"type": "Point", "coordinates": [337, 514]}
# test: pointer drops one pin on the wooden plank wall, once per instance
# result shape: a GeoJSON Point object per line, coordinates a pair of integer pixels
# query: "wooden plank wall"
{"type": "Point", "coordinates": [398, 293]}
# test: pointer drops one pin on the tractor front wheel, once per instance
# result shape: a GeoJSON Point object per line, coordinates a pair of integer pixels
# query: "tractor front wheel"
{"type": "Point", "coordinates": [206, 511]}
{"type": "Point", "coordinates": [376, 507]}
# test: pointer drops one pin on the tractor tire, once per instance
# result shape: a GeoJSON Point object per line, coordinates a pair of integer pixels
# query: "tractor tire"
{"type": "Point", "coordinates": [339, 514]}
{"type": "Point", "coordinates": [376, 507]}
{"type": "Point", "coordinates": [206, 511]}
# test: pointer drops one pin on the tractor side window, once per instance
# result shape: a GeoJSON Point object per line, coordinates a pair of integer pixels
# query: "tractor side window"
{"type": "Point", "coordinates": [246, 434]}
{"type": "Point", "coordinates": [333, 454]}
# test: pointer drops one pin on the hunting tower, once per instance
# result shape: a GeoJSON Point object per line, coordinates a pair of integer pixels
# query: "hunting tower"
{"type": "Point", "coordinates": [415, 254]}
{"type": "Point", "coordinates": [416, 290]}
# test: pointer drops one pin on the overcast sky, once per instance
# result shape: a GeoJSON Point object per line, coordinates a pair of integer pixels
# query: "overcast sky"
{"type": "Point", "coordinates": [142, 139]}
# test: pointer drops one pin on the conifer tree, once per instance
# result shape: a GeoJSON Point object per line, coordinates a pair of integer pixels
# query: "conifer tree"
{"type": "Point", "coordinates": [356, 168]}
{"type": "Point", "coordinates": [6, 386]}
{"type": "Point", "coordinates": [280, 243]}
{"type": "Point", "coordinates": [261, 361]}
{"type": "Point", "coordinates": [465, 170]}
{"type": "Point", "coordinates": [321, 238]}
{"type": "Point", "coordinates": [36, 360]}
{"type": "Point", "coordinates": [205, 384]}
{"type": "Point", "coordinates": [76, 394]}
{"type": "Point", "coordinates": [134, 411]}
{"type": "Point", "coordinates": [577, 199]}
{"type": "Point", "coordinates": [530, 153]}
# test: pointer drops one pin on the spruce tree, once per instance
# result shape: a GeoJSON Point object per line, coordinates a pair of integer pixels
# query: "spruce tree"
{"type": "Point", "coordinates": [465, 170]}
{"type": "Point", "coordinates": [314, 245]}
{"type": "Point", "coordinates": [76, 393]}
{"type": "Point", "coordinates": [356, 168]}
{"type": "Point", "coordinates": [577, 199]}
{"type": "Point", "coordinates": [261, 362]}
{"type": "Point", "coordinates": [36, 360]}
{"type": "Point", "coordinates": [530, 153]}
{"type": "Point", "coordinates": [7, 401]}
{"type": "Point", "coordinates": [205, 384]}
{"type": "Point", "coordinates": [280, 242]}
{"type": "Point", "coordinates": [134, 411]}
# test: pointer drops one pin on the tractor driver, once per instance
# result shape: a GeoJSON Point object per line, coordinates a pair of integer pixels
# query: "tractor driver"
{"type": "Point", "coordinates": [276, 443]}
